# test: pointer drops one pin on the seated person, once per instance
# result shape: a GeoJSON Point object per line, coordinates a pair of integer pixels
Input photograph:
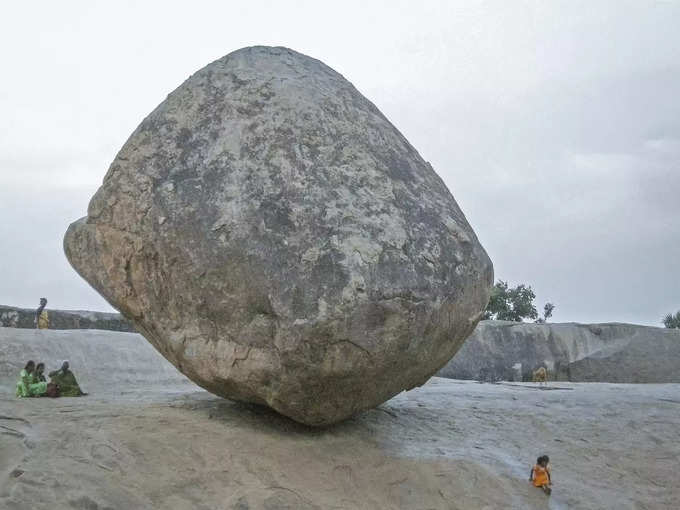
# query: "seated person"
{"type": "Point", "coordinates": [64, 378]}
{"type": "Point", "coordinates": [27, 386]}
{"type": "Point", "coordinates": [39, 373]}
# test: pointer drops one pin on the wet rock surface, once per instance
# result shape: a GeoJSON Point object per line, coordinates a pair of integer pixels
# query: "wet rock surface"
{"type": "Point", "coordinates": [272, 234]}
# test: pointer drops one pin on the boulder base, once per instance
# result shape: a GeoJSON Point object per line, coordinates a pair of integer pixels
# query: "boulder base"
{"type": "Point", "coordinates": [272, 234]}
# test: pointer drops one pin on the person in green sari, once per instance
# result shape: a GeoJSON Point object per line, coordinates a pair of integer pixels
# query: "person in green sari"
{"type": "Point", "coordinates": [27, 386]}
{"type": "Point", "coordinates": [64, 378]}
{"type": "Point", "coordinates": [39, 373]}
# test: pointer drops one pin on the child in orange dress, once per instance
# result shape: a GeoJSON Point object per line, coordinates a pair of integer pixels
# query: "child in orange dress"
{"type": "Point", "coordinates": [540, 474]}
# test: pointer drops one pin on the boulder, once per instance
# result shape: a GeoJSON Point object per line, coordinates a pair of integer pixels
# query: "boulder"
{"type": "Point", "coordinates": [279, 241]}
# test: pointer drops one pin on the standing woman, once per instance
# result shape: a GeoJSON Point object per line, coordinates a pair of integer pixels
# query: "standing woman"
{"type": "Point", "coordinates": [42, 320]}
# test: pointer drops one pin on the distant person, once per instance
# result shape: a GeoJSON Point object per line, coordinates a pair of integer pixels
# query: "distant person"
{"type": "Point", "coordinates": [26, 387]}
{"type": "Point", "coordinates": [42, 320]}
{"type": "Point", "coordinates": [540, 474]}
{"type": "Point", "coordinates": [66, 381]}
{"type": "Point", "coordinates": [540, 376]}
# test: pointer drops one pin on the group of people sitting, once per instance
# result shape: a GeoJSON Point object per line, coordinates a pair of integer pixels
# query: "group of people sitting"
{"type": "Point", "coordinates": [32, 382]}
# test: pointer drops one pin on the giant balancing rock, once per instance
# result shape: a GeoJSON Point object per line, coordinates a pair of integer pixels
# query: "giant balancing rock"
{"type": "Point", "coordinates": [279, 241]}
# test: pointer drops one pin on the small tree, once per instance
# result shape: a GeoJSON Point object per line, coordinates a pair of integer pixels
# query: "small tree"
{"type": "Point", "coordinates": [498, 302]}
{"type": "Point", "coordinates": [548, 310]}
{"type": "Point", "coordinates": [511, 304]}
{"type": "Point", "coordinates": [672, 321]}
{"type": "Point", "coordinates": [547, 313]}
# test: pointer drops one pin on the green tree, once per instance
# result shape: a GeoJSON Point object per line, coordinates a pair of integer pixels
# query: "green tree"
{"type": "Point", "coordinates": [672, 321]}
{"type": "Point", "coordinates": [511, 303]}
{"type": "Point", "coordinates": [548, 310]}
{"type": "Point", "coordinates": [547, 313]}
{"type": "Point", "coordinates": [498, 302]}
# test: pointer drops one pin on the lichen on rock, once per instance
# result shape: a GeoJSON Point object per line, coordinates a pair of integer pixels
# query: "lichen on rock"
{"type": "Point", "coordinates": [276, 238]}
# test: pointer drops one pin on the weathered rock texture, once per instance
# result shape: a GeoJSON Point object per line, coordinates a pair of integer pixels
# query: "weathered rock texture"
{"type": "Point", "coordinates": [618, 353]}
{"type": "Point", "coordinates": [272, 234]}
{"type": "Point", "coordinates": [13, 317]}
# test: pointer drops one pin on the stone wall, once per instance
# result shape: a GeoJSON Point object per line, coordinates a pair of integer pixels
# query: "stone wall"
{"type": "Point", "coordinates": [13, 317]}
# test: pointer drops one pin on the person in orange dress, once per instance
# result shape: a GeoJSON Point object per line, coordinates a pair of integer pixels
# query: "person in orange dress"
{"type": "Point", "coordinates": [540, 474]}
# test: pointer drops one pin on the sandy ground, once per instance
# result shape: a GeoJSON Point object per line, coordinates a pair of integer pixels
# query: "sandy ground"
{"type": "Point", "coordinates": [447, 445]}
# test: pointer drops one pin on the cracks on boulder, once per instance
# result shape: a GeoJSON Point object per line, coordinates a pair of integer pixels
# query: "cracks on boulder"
{"type": "Point", "coordinates": [407, 295]}
{"type": "Point", "coordinates": [360, 347]}
{"type": "Point", "coordinates": [237, 359]}
{"type": "Point", "coordinates": [363, 260]}
{"type": "Point", "coordinates": [429, 260]}
{"type": "Point", "coordinates": [128, 274]}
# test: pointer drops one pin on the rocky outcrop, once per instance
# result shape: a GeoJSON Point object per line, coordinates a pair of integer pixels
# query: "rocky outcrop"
{"type": "Point", "coordinates": [13, 317]}
{"type": "Point", "coordinates": [620, 353]}
{"type": "Point", "coordinates": [272, 234]}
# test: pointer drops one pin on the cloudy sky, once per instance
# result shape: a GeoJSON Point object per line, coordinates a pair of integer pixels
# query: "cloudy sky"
{"type": "Point", "coordinates": [556, 125]}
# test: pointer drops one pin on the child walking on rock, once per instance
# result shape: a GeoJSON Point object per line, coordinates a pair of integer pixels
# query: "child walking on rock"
{"type": "Point", "coordinates": [540, 474]}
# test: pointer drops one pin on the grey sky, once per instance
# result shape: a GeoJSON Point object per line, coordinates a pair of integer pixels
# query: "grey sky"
{"type": "Point", "coordinates": [556, 125]}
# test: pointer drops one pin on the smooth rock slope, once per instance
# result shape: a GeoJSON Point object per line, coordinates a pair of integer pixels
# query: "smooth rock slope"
{"type": "Point", "coordinates": [103, 361]}
{"type": "Point", "coordinates": [145, 437]}
{"type": "Point", "coordinates": [272, 234]}
{"type": "Point", "coordinates": [613, 352]}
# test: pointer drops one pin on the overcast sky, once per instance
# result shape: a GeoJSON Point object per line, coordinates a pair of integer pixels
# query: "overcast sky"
{"type": "Point", "coordinates": [556, 125]}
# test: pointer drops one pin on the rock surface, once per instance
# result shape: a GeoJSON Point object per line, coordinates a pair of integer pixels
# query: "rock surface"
{"type": "Point", "coordinates": [103, 361]}
{"type": "Point", "coordinates": [146, 438]}
{"type": "Point", "coordinates": [14, 317]}
{"type": "Point", "coordinates": [617, 353]}
{"type": "Point", "coordinates": [272, 234]}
